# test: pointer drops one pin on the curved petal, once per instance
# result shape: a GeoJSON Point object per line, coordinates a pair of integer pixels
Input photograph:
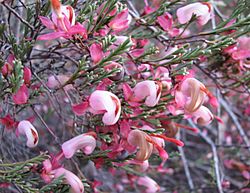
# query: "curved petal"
{"type": "Point", "coordinates": [26, 128]}
{"type": "Point", "coordinates": [201, 10]}
{"type": "Point", "coordinates": [85, 142]}
{"type": "Point", "coordinates": [106, 101]}
{"type": "Point", "coordinates": [47, 22]}
{"type": "Point", "coordinates": [80, 109]}
{"type": "Point", "coordinates": [52, 35]}
{"type": "Point", "coordinates": [190, 94]}
{"type": "Point", "coordinates": [138, 138]}
{"type": "Point", "coordinates": [70, 178]}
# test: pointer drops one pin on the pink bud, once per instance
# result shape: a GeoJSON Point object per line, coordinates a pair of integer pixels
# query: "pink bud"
{"type": "Point", "coordinates": [70, 178]}
{"type": "Point", "coordinates": [96, 52]}
{"type": "Point", "coordinates": [201, 10]}
{"type": "Point", "coordinates": [26, 75]}
{"type": "Point", "coordinates": [21, 96]}
{"type": "Point", "coordinates": [6, 69]}
{"type": "Point", "coordinates": [26, 128]}
{"type": "Point", "coordinates": [85, 142]}
{"type": "Point", "coordinates": [104, 102]}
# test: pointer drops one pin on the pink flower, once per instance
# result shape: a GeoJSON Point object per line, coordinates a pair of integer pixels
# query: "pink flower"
{"type": "Point", "coordinates": [148, 90]}
{"type": "Point", "coordinates": [26, 128]}
{"type": "Point", "coordinates": [166, 22]}
{"type": "Point", "coordinates": [96, 52]}
{"type": "Point", "coordinates": [138, 138]}
{"type": "Point", "coordinates": [242, 52]}
{"type": "Point", "coordinates": [120, 21]}
{"type": "Point", "coordinates": [49, 165]}
{"type": "Point", "coordinates": [63, 23]}
{"type": "Point", "coordinates": [104, 102]}
{"type": "Point", "coordinates": [146, 144]}
{"type": "Point", "coordinates": [202, 116]}
{"type": "Point", "coordinates": [202, 11]}
{"type": "Point", "coordinates": [61, 11]}
{"type": "Point", "coordinates": [21, 96]}
{"type": "Point", "coordinates": [26, 75]}
{"type": "Point", "coordinates": [86, 142]}
{"type": "Point", "coordinates": [70, 178]}
{"type": "Point", "coordinates": [189, 94]}
{"type": "Point", "coordinates": [8, 122]}
{"type": "Point", "coordinates": [163, 74]}
{"type": "Point", "coordinates": [149, 183]}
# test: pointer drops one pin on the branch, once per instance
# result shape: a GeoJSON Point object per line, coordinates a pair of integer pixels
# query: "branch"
{"type": "Point", "coordinates": [18, 16]}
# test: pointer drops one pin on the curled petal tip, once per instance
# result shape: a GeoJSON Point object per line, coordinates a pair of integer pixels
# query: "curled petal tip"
{"type": "Point", "coordinates": [105, 102]}
{"type": "Point", "coordinates": [71, 179]}
{"type": "Point", "coordinates": [85, 142]}
{"type": "Point", "coordinates": [26, 128]}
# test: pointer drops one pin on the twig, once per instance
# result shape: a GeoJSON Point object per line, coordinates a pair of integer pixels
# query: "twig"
{"type": "Point", "coordinates": [48, 94]}
{"type": "Point", "coordinates": [136, 15]}
{"type": "Point", "coordinates": [18, 16]}
{"type": "Point", "coordinates": [45, 124]}
{"type": "Point", "coordinates": [236, 122]}
{"type": "Point", "coordinates": [215, 157]}
{"type": "Point", "coordinates": [185, 164]}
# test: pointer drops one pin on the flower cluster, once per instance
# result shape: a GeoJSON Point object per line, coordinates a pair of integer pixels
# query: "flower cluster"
{"type": "Point", "coordinates": [115, 88]}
